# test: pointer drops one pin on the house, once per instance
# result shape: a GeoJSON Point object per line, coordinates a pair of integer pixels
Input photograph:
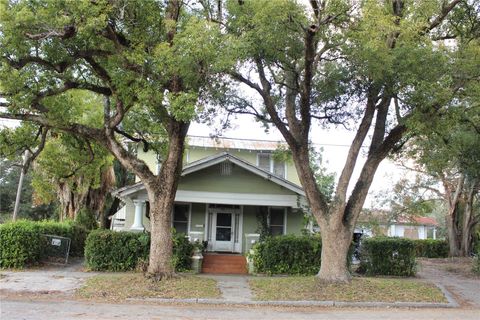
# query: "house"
{"type": "Point", "coordinates": [378, 223]}
{"type": "Point", "coordinates": [226, 187]}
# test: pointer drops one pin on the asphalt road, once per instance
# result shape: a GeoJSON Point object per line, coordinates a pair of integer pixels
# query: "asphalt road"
{"type": "Point", "coordinates": [62, 310]}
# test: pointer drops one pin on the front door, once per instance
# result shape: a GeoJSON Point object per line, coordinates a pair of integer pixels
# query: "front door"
{"type": "Point", "coordinates": [223, 231]}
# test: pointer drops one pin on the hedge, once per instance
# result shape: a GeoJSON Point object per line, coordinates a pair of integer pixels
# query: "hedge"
{"type": "Point", "coordinates": [430, 248]}
{"type": "Point", "coordinates": [107, 250]}
{"type": "Point", "coordinates": [388, 256]}
{"type": "Point", "coordinates": [22, 243]}
{"type": "Point", "coordinates": [288, 254]}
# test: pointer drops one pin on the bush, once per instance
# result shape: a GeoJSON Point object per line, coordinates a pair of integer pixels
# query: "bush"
{"type": "Point", "coordinates": [430, 248]}
{"type": "Point", "coordinates": [288, 254]}
{"type": "Point", "coordinates": [476, 263]}
{"type": "Point", "coordinates": [23, 243]}
{"type": "Point", "coordinates": [107, 250]}
{"type": "Point", "coordinates": [388, 256]}
{"type": "Point", "coordinates": [115, 251]}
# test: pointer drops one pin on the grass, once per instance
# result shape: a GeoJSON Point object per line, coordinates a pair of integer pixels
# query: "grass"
{"type": "Point", "coordinates": [116, 287]}
{"type": "Point", "coordinates": [360, 289]}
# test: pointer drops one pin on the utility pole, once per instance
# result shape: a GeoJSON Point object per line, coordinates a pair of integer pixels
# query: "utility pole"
{"type": "Point", "coordinates": [20, 184]}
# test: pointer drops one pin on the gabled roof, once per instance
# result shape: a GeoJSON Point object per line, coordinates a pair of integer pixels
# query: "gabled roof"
{"type": "Point", "coordinates": [234, 144]}
{"type": "Point", "coordinates": [384, 217]}
{"type": "Point", "coordinates": [213, 160]}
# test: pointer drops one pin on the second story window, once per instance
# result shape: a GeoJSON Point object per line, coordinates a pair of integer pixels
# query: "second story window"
{"type": "Point", "coordinates": [267, 162]}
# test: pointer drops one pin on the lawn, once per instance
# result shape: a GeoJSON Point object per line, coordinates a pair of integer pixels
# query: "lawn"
{"type": "Point", "coordinates": [360, 289]}
{"type": "Point", "coordinates": [120, 286]}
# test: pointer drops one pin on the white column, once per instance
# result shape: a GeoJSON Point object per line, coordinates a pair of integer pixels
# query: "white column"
{"type": "Point", "coordinates": [138, 222]}
{"type": "Point", "coordinates": [434, 233]}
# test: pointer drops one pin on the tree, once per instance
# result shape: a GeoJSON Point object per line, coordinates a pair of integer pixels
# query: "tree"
{"type": "Point", "coordinates": [373, 64]}
{"type": "Point", "coordinates": [152, 61]}
{"type": "Point", "coordinates": [447, 152]}
{"type": "Point", "coordinates": [77, 173]}
{"type": "Point", "coordinates": [29, 207]}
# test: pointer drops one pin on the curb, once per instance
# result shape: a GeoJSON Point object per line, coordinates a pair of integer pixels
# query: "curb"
{"type": "Point", "coordinates": [303, 303]}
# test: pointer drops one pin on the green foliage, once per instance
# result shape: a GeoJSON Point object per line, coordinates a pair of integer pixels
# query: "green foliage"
{"type": "Point", "coordinates": [388, 256]}
{"type": "Point", "coordinates": [68, 160]}
{"type": "Point", "coordinates": [430, 248]}
{"type": "Point", "coordinates": [115, 251]}
{"type": "Point", "coordinates": [86, 219]}
{"type": "Point", "coordinates": [476, 263]}
{"type": "Point", "coordinates": [29, 208]}
{"type": "Point", "coordinates": [23, 244]}
{"type": "Point", "coordinates": [182, 252]}
{"type": "Point", "coordinates": [288, 254]}
{"type": "Point", "coordinates": [108, 250]}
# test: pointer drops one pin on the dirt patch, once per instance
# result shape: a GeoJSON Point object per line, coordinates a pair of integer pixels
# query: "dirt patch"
{"type": "Point", "coordinates": [458, 266]}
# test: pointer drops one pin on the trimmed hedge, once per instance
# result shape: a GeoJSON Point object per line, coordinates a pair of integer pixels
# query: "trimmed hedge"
{"type": "Point", "coordinates": [288, 254]}
{"type": "Point", "coordinates": [388, 256]}
{"type": "Point", "coordinates": [22, 243]}
{"type": "Point", "coordinates": [430, 248]}
{"type": "Point", "coordinates": [107, 250]}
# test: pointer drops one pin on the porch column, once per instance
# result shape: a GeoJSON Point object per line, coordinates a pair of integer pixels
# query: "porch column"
{"type": "Point", "coordinates": [138, 222]}
{"type": "Point", "coordinates": [434, 233]}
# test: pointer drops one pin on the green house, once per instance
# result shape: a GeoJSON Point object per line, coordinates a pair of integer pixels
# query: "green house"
{"type": "Point", "coordinates": [228, 189]}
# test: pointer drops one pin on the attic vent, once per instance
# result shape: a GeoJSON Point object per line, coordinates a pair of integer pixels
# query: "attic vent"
{"type": "Point", "coordinates": [226, 168]}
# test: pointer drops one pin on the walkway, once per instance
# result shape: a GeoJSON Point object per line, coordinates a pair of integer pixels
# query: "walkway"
{"type": "Point", "coordinates": [234, 288]}
{"type": "Point", "coordinates": [466, 290]}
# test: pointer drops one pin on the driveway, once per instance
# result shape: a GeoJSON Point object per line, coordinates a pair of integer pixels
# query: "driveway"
{"type": "Point", "coordinates": [49, 279]}
{"type": "Point", "coordinates": [466, 289]}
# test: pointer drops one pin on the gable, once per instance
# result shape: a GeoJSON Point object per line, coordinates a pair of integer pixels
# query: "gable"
{"type": "Point", "coordinates": [238, 180]}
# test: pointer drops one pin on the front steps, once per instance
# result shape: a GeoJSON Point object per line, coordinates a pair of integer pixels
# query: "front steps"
{"type": "Point", "coordinates": [218, 263]}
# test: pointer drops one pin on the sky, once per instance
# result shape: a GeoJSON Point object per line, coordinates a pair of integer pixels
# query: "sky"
{"type": "Point", "coordinates": [334, 141]}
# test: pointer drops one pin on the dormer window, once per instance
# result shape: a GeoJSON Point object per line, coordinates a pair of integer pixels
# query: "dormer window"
{"type": "Point", "coordinates": [267, 162]}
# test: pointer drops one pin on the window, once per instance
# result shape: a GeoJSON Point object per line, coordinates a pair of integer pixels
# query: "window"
{"type": "Point", "coordinates": [266, 162]}
{"type": "Point", "coordinates": [277, 221]}
{"type": "Point", "coordinates": [180, 217]}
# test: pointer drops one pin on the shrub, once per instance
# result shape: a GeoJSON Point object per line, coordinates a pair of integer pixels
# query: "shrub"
{"type": "Point", "coordinates": [430, 248]}
{"type": "Point", "coordinates": [86, 219]}
{"type": "Point", "coordinates": [182, 252]}
{"type": "Point", "coordinates": [288, 254]}
{"type": "Point", "coordinates": [22, 243]}
{"type": "Point", "coordinates": [388, 256]}
{"type": "Point", "coordinates": [115, 251]}
{"type": "Point", "coordinates": [476, 263]}
{"type": "Point", "coordinates": [107, 250]}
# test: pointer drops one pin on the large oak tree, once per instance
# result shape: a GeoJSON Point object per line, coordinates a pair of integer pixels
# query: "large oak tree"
{"type": "Point", "coordinates": [152, 61]}
{"type": "Point", "coordinates": [371, 65]}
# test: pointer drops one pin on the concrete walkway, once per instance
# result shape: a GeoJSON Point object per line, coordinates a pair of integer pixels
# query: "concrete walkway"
{"type": "Point", "coordinates": [234, 288]}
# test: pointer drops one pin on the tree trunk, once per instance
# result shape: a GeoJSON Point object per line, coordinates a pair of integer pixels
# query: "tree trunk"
{"type": "Point", "coordinates": [161, 194]}
{"type": "Point", "coordinates": [468, 220]}
{"type": "Point", "coordinates": [160, 264]}
{"type": "Point", "coordinates": [336, 239]}
{"type": "Point", "coordinates": [452, 234]}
